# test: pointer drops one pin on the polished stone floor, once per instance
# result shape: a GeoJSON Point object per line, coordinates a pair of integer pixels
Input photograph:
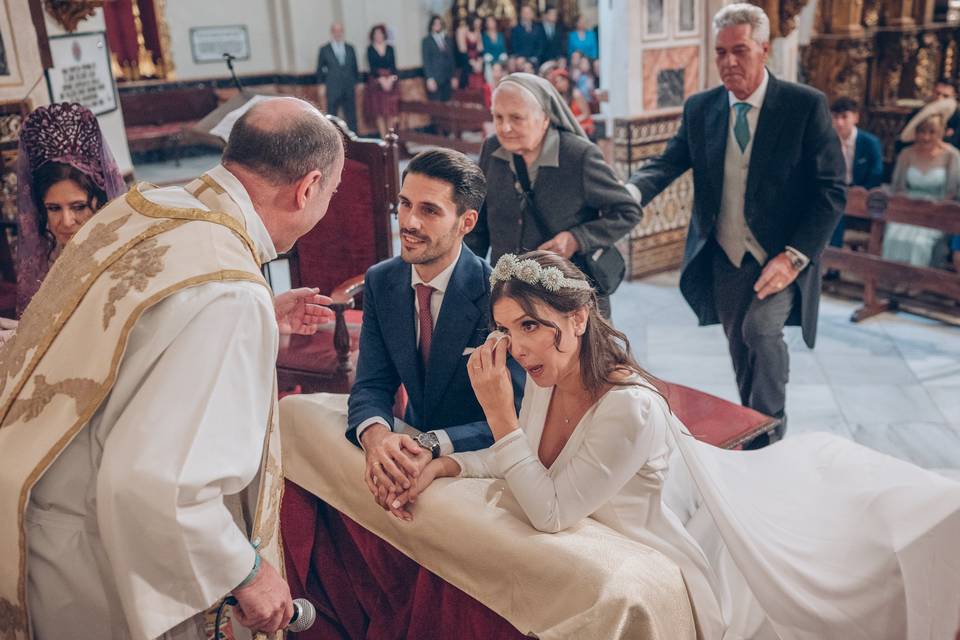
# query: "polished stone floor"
{"type": "Point", "coordinates": [891, 382]}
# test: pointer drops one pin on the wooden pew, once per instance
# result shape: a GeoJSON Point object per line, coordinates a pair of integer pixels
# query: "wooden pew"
{"type": "Point", "coordinates": [461, 114]}
{"type": "Point", "coordinates": [879, 208]}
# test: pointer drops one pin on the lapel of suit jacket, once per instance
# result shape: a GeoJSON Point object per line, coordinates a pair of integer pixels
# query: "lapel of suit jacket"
{"type": "Point", "coordinates": [454, 326]}
{"type": "Point", "coordinates": [716, 128]}
{"type": "Point", "coordinates": [397, 317]}
{"type": "Point", "coordinates": [859, 148]}
{"type": "Point", "coordinates": [764, 139]}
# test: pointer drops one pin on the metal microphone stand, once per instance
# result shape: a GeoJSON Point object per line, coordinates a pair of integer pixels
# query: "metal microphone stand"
{"type": "Point", "coordinates": [228, 58]}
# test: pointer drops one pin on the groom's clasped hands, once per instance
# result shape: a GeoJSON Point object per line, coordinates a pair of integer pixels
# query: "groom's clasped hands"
{"type": "Point", "coordinates": [397, 469]}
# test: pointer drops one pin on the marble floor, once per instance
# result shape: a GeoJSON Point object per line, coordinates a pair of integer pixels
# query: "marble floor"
{"type": "Point", "coordinates": [891, 383]}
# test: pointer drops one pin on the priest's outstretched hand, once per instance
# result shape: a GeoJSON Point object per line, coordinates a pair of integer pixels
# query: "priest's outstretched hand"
{"type": "Point", "coordinates": [301, 311]}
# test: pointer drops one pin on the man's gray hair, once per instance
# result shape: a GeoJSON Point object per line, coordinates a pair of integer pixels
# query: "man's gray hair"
{"type": "Point", "coordinates": [743, 13]}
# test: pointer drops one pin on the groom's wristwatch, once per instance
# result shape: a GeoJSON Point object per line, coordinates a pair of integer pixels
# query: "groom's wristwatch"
{"type": "Point", "coordinates": [429, 441]}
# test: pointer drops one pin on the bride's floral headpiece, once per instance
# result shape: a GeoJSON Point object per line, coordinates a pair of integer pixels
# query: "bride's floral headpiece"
{"type": "Point", "coordinates": [530, 271]}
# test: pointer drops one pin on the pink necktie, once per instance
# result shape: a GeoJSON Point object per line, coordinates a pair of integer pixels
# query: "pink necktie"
{"type": "Point", "coordinates": [424, 291]}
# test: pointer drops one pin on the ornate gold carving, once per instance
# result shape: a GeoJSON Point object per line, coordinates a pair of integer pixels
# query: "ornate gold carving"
{"type": "Point", "coordinates": [167, 67]}
{"type": "Point", "coordinates": [838, 67]}
{"type": "Point", "coordinates": [70, 13]}
{"type": "Point", "coordinates": [133, 271]}
{"type": "Point", "coordinates": [43, 393]}
{"type": "Point", "coordinates": [925, 70]}
{"type": "Point", "coordinates": [871, 13]}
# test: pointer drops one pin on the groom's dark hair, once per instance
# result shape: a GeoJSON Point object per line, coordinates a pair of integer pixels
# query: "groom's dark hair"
{"type": "Point", "coordinates": [457, 170]}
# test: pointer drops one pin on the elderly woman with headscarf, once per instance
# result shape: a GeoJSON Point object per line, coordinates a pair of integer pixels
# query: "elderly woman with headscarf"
{"type": "Point", "coordinates": [548, 186]}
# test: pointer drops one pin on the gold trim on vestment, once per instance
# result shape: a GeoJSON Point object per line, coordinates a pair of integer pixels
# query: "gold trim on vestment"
{"type": "Point", "coordinates": [139, 202]}
{"type": "Point", "coordinates": [105, 388]}
{"type": "Point", "coordinates": [70, 282]}
{"type": "Point", "coordinates": [22, 342]}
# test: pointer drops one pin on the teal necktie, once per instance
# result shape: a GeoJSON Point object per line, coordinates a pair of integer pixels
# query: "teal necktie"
{"type": "Point", "coordinates": [741, 129]}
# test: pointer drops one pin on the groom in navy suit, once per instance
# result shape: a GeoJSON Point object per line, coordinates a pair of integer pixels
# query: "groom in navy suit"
{"type": "Point", "coordinates": [420, 312]}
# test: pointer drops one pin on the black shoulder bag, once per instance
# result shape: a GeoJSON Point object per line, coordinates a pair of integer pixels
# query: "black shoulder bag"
{"type": "Point", "coordinates": [604, 267]}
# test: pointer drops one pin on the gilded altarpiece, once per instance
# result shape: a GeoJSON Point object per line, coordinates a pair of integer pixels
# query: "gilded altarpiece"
{"type": "Point", "coordinates": [886, 54]}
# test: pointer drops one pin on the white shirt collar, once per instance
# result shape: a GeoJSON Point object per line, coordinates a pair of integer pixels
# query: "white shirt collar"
{"type": "Point", "coordinates": [442, 279]}
{"type": "Point", "coordinates": [755, 99]}
{"type": "Point", "coordinates": [251, 219]}
{"type": "Point", "coordinates": [851, 139]}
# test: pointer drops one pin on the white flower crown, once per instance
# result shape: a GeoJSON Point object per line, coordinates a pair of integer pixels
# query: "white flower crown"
{"type": "Point", "coordinates": [530, 271]}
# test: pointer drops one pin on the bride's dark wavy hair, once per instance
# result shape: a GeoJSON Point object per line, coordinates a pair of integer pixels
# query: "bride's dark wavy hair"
{"type": "Point", "coordinates": [603, 350]}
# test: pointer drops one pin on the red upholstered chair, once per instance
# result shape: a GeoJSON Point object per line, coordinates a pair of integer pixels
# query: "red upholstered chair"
{"type": "Point", "coordinates": [353, 236]}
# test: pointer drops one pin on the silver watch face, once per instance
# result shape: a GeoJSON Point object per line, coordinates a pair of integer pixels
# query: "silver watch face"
{"type": "Point", "coordinates": [428, 440]}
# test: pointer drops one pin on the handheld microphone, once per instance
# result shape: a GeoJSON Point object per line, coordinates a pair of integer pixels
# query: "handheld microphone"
{"type": "Point", "coordinates": [304, 615]}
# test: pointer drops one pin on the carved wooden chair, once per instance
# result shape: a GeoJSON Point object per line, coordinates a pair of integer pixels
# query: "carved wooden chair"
{"type": "Point", "coordinates": [354, 235]}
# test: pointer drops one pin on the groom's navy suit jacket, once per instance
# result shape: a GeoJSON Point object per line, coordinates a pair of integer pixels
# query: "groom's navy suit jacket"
{"type": "Point", "coordinates": [441, 397]}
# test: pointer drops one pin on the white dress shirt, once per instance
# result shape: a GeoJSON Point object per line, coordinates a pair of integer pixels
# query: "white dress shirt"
{"type": "Point", "coordinates": [440, 282]}
{"type": "Point", "coordinates": [849, 148]}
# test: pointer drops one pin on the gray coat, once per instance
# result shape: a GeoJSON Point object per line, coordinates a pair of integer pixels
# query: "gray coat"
{"type": "Point", "coordinates": [575, 190]}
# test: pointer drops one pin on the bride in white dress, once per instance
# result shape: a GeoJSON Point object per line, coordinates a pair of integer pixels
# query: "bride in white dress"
{"type": "Point", "coordinates": [814, 537]}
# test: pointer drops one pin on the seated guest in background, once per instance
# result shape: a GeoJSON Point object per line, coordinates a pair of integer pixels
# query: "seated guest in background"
{"type": "Point", "coordinates": [928, 169]}
{"type": "Point", "coordinates": [548, 186]}
{"type": "Point", "coordinates": [470, 46]}
{"type": "Point", "coordinates": [494, 42]}
{"type": "Point", "coordinates": [381, 103]}
{"type": "Point", "coordinates": [770, 544]}
{"type": "Point", "coordinates": [421, 310]}
{"type": "Point", "coordinates": [554, 37]}
{"type": "Point", "coordinates": [862, 153]}
{"type": "Point", "coordinates": [586, 81]}
{"type": "Point", "coordinates": [337, 70]}
{"type": "Point", "coordinates": [582, 41]}
{"type": "Point", "coordinates": [65, 172]}
{"type": "Point", "coordinates": [439, 64]}
{"type": "Point", "coordinates": [575, 100]}
{"type": "Point", "coordinates": [527, 39]}
{"type": "Point", "coordinates": [942, 90]}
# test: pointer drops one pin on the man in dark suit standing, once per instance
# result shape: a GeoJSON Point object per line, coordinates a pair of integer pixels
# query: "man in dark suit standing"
{"type": "Point", "coordinates": [768, 191]}
{"type": "Point", "coordinates": [862, 153]}
{"type": "Point", "coordinates": [420, 312]}
{"type": "Point", "coordinates": [337, 69]}
{"type": "Point", "coordinates": [554, 37]}
{"type": "Point", "coordinates": [527, 39]}
{"type": "Point", "coordinates": [439, 65]}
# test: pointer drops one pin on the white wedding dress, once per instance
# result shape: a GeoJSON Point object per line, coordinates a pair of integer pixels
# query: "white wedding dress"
{"type": "Point", "coordinates": [814, 537]}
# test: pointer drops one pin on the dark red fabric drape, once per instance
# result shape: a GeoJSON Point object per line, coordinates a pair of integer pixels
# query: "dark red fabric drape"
{"type": "Point", "coordinates": [121, 31]}
{"type": "Point", "coordinates": [364, 588]}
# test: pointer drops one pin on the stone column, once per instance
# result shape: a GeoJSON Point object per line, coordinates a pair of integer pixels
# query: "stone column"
{"type": "Point", "coordinates": [621, 59]}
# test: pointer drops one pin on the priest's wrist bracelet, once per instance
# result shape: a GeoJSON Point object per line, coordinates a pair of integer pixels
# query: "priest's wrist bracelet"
{"type": "Point", "coordinates": [253, 573]}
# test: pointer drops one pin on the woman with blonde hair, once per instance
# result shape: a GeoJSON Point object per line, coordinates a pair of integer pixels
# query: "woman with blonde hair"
{"type": "Point", "coordinates": [928, 169]}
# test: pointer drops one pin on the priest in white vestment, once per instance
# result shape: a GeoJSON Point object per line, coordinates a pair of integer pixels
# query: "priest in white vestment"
{"type": "Point", "coordinates": [129, 530]}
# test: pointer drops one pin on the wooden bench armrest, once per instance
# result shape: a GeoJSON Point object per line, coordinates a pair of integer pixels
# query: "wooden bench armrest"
{"type": "Point", "coordinates": [347, 291]}
{"type": "Point", "coordinates": [344, 298]}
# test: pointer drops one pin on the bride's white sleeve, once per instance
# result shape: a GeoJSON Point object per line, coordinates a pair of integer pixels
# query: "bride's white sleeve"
{"type": "Point", "coordinates": [617, 442]}
{"type": "Point", "coordinates": [480, 464]}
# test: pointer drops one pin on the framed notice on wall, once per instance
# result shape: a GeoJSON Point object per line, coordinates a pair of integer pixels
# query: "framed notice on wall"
{"type": "Point", "coordinates": [81, 71]}
{"type": "Point", "coordinates": [208, 44]}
